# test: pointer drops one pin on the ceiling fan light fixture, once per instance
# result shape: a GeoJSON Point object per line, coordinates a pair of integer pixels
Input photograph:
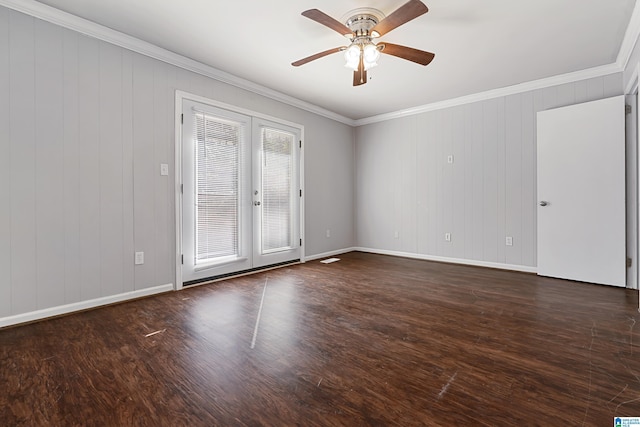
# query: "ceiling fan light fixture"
{"type": "Point", "coordinates": [352, 56]}
{"type": "Point", "coordinates": [361, 27]}
{"type": "Point", "coordinates": [370, 55]}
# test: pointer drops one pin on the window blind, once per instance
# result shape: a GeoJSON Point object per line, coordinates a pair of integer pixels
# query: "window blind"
{"type": "Point", "coordinates": [217, 177]}
{"type": "Point", "coordinates": [277, 173]}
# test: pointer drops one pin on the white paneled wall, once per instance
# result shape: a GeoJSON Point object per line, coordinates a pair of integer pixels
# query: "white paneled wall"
{"type": "Point", "coordinates": [409, 196]}
{"type": "Point", "coordinates": [84, 127]}
{"type": "Point", "coordinates": [5, 168]}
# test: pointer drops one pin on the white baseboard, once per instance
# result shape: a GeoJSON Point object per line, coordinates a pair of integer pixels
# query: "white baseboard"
{"type": "Point", "coordinates": [82, 305]}
{"type": "Point", "coordinates": [511, 267]}
{"type": "Point", "coordinates": [329, 254]}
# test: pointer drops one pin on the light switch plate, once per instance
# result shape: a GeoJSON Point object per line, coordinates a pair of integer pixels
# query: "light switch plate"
{"type": "Point", "coordinates": [164, 169]}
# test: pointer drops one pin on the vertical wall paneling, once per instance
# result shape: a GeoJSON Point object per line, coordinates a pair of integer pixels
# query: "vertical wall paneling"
{"type": "Point", "coordinates": [71, 168]}
{"type": "Point", "coordinates": [501, 182]}
{"type": "Point", "coordinates": [447, 207]}
{"type": "Point", "coordinates": [127, 253]}
{"type": "Point", "coordinates": [436, 235]}
{"type": "Point", "coordinates": [513, 158]}
{"type": "Point", "coordinates": [458, 183]}
{"type": "Point", "coordinates": [406, 226]}
{"type": "Point", "coordinates": [490, 181]}
{"type": "Point", "coordinates": [110, 169]}
{"type": "Point", "coordinates": [513, 174]}
{"type": "Point", "coordinates": [438, 162]}
{"type": "Point", "coordinates": [90, 184]}
{"type": "Point", "coordinates": [23, 167]}
{"type": "Point", "coordinates": [144, 169]}
{"type": "Point", "coordinates": [161, 140]}
{"type": "Point", "coordinates": [426, 174]}
{"type": "Point", "coordinates": [49, 159]}
{"type": "Point", "coordinates": [389, 161]}
{"type": "Point", "coordinates": [439, 166]}
{"type": "Point", "coordinates": [478, 173]}
{"type": "Point", "coordinates": [395, 178]}
{"type": "Point", "coordinates": [530, 106]}
{"type": "Point", "coordinates": [468, 182]}
{"type": "Point", "coordinates": [422, 205]}
{"type": "Point", "coordinates": [5, 168]}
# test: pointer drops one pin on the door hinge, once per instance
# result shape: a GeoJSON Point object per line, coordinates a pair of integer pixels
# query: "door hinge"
{"type": "Point", "coordinates": [300, 242]}
{"type": "Point", "coordinates": [181, 259]}
{"type": "Point", "coordinates": [627, 109]}
{"type": "Point", "coordinates": [300, 193]}
{"type": "Point", "coordinates": [181, 188]}
{"type": "Point", "coordinates": [300, 143]}
{"type": "Point", "coordinates": [629, 262]}
{"type": "Point", "coordinates": [181, 118]}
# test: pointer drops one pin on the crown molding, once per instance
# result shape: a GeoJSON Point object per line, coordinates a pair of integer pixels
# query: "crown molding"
{"type": "Point", "coordinates": [496, 93]}
{"type": "Point", "coordinates": [630, 38]}
{"type": "Point", "coordinates": [92, 29]}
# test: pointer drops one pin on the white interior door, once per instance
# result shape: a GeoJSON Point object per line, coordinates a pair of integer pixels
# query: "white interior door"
{"type": "Point", "coordinates": [240, 184]}
{"type": "Point", "coordinates": [581, 192]}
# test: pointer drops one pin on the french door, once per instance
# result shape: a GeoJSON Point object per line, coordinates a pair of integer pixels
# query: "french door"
{"type": "Point", "coordinates": [240, 192]}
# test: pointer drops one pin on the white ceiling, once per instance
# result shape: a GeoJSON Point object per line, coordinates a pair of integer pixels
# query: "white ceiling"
{"type": "Point", "coordinates": [479, 45]}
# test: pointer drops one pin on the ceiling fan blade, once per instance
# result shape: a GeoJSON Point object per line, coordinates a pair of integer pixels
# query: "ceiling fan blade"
{"type": "Point", "coordinates": [316, 56]}
{"type": "Point", "coordinates": [405, 13]}
{"type": "Point", "coordinates": [418, 56]}
{"type": "Point", "coordinates": [360, 75]}
{"type": "Point", "coordinates": [327, 21]}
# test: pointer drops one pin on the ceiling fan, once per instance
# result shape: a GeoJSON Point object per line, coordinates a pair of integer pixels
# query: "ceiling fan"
{"type": "Point", "coordinates": [364, 25]}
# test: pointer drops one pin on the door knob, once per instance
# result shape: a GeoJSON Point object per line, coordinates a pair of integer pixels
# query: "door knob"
{"type": "Point", "coordinates": [256, 203]}
{"type": "Point", "coordinates": [543, 203]}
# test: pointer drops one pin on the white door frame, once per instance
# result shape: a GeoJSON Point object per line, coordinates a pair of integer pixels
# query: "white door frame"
{"type": "Point", "coordinates": [179, 98]}
{"type": "Point", "coordinates": [633, 203]}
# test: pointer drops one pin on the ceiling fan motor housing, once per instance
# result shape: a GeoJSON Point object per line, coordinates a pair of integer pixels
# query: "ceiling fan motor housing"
{"type": "Point", "coordinates": [361, 21]}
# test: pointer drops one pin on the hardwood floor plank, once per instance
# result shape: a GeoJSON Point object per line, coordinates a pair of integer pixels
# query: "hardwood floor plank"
{"type": "Point", "coordinates": [371, 340]}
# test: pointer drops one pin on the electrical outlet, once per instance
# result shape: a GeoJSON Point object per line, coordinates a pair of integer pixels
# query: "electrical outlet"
{"type": "Point", "coordinates": [450, 159]}
{"type": "Point", "coordinates": [508, 241]}
{"type": "Point", "coordinates": [447, 237]}
{"type": "Point", "coordinates": [328, 233]}
{"type": "Point", "coordinates": [139, 259]}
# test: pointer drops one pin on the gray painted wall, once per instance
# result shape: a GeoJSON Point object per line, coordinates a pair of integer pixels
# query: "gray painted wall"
{"type": "Point", "coordinates": [405, 184]}
{"type": "Point", "coordinates": [84, 127]}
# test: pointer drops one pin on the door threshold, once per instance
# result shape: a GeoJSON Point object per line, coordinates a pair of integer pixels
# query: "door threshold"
{"type": "Point", "coordinates": [220, 277]}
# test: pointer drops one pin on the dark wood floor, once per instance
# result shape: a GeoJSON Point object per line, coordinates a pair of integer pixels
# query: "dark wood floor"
{"type": "Point", "coordinates": [370, 340]}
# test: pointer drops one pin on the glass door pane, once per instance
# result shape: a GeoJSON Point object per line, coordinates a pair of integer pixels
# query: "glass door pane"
{"type": "Point", "coordinates": [216, 174]}
{"type": "Point", "coordinates": [277, 174]}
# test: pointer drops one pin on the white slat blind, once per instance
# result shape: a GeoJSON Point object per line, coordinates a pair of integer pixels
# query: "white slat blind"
{"type": "Point", "coordinates": [277, 173]}
{"type": "Point", "coordinates": [217, 187]}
